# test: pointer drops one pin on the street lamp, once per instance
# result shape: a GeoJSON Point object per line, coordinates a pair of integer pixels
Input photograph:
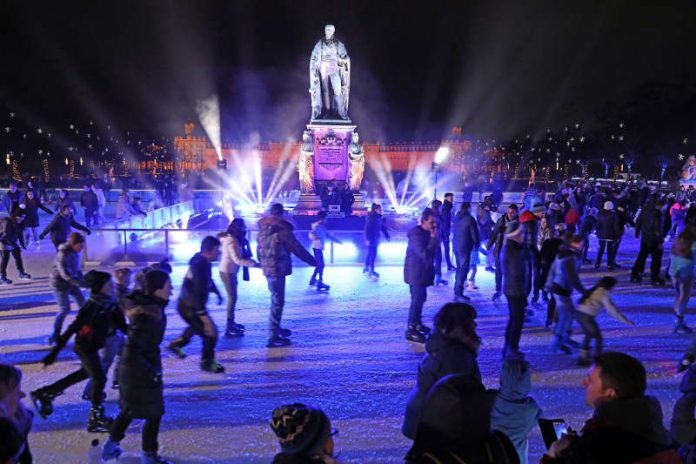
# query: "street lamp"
{"type": "Point", "coordinates": [441, 156]}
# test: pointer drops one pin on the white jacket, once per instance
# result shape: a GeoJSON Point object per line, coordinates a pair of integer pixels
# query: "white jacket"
{"type": "Point", "coordinates": [232, 256]}
{"type": "Point", "coordinates": [599, 299]}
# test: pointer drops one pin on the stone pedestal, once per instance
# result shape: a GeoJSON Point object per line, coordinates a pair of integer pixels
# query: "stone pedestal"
{"type": "Point", "coordinates": [308, 204]}
{"type": "Point", "coordinates": [331, 139]}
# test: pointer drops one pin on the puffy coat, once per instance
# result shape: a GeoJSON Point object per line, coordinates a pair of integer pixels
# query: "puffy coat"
{"type": "Point", "coordinates": [608, 227]}
{"type": "Point", "coordinates": [444, 356]}
{"type": "Point", "coordinates": [563, 276]}
{"type": "Point", "coordinates": [66, 268]}
{"type": "Point", "coordinates": [374, 226]}
{"type": "Point", "coordinates": [276, 242]}
{"type": "Point", "coordinates": [96, 320]}
{"type": "Point", "coordinates": [61, 226]}
{"type": "Point", "coordinates": [514, 412]}
{"type": "Point", "coordinates": [89, 200]}
{"type": "Point", "coordinates": [517, 269]}
{"type": "Point", "coordinates": [418, 265]}
{"type": "Point", "coordinates": [466, 234]}
{"type": "Point", "coordinates": [140, 368]}
{"type": "Point", "coordinates": [11, 234]}
{"type": "Point", "coordinates": [198, 284]}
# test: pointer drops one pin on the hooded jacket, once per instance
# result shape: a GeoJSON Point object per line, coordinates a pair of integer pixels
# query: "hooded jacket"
{"type": "Point", "coordinates": [418, 265]}
{"type": "Point", "coordinates": [563, 276]}
{"type": "Point", "coordinates": [276, 243]}
{"type": "Point", "coordinates": [140, 370]}
{"type": "Point", "coordinates": [444, 356]}
{"type": "Point", "coordinates": [66, 268]}
{"type": "Point", "coordinates": [198, 284]}
{"type": "Point", "coordinates": [514, 413]}
{"type": "Point", "coordinates": [61, 226]}
{"type": "Point", "coordinates": [621, 431]}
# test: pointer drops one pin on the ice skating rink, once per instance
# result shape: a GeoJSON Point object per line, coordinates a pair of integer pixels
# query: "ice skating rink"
{"type": "Point", "coordinates": [348, 357]}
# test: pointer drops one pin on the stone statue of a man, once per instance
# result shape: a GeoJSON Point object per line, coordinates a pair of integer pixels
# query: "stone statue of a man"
{"type": "Point", "coordinates": [305, 165]}
{"type": "Point", "coordinates": [329, 77]}
{"type": "Point", "coordinates": [356, 157]}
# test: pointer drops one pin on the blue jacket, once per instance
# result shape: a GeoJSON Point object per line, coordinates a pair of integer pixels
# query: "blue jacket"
{"type": "Point", "coordinates": [374, 226]}
{"type": "Point", "coordinates": [563, 276]}
{"type": "Point", "coordinates": [514, 413]}
{"type": "Point", "coordinates": [444, 356]}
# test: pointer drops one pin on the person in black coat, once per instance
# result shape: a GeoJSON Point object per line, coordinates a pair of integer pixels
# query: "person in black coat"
{"type": "Point", "coordinates": [588, 224]}
{"type": "Point", "coordinates": [517, 282]}
{"type": "Point", "coordinates": [61, 226]}
{"type": "Point", "coordinates": [451, 349]}
{"type": "Point", "coordinates": [94, 322]}
{"type": "Point", "coordinates": [447, 206]}
{"type": "Point", "coordinates": [90, 202]}
{"type": "Point", "coordinates": [63, 200]}
{"type": "Point", "coordinates": [140, 368]}
{"type": "Point", "coordinates": [419, 272]}
{"type": "Point", "coordinates": [465, 239]}
{"type": "Point", "coordinates": [11, 243]}
{"type": "Point", "coordinates": [374, 227]}
{"type": "Point", "coordinates": [198, 284]}
{"type": "Point", "coordinates": [496, 240]}
{"type": "Point", "coordinates": [32, 204]}
{"type": "Point", "coordinates": [652, 227]}
{"type": "Point", "coordinates": [11, 200]}
{"type": "Point", "coordinates": [608, 233]}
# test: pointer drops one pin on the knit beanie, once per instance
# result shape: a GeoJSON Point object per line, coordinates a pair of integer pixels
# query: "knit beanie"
{"type": "Point", "coordinates": [300, 429]}
{"type": "Point", "coordinates": [95, 280]}
{"type": "Point", "coordinates": [608, 205]}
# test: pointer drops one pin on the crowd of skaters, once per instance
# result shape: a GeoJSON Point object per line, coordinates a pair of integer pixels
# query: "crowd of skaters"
{"type": "Point", "coordinates": [119, 323]}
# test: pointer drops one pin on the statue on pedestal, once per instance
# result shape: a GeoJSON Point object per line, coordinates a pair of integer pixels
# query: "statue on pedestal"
{"type": "Point", "coordinates": [329, 77]}
{"type": "Point", "coordinates": [306, 163]}
{"type": "Point", "coordinates": [689, 169]}
{"type": "Point", "coordinates": [356, 156]}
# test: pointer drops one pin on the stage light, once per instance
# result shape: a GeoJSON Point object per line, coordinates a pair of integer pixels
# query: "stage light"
{"type": "Point", "coordinates": [441, 155]}
{"type": "Point", "coordinates": [208, 111]}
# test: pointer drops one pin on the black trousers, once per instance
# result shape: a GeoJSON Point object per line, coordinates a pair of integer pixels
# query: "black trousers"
{"type": "Point", "coordinates": [91, 369]}
{"type": "Point", "coordinates": [591, 329]}
{"type": "Point", "coordinates": [150, 430]}
{"type": "Point", "coordinates": [195, 327]}
{"type": "Point", "coordinates": [446, 246]}
{"type": "Point", "coordinates": [654, 249]}
{"type": "Point", "coordinates": [513, 331]}
{"type": "Point", "coordinates": [463, 265]}
{"type": "Point", "coordinates": [611, 251]}
{"type": "Point", "coordinates": [319, 269]}
{"type": "Point", "coordinates": [5, 260]}
{"type": "Point", "coordinates": [498, 269]}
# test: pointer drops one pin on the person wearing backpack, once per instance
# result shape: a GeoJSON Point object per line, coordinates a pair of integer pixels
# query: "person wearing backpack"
{"type": "Point", "coordinates": [276, 243]}
{"type": "Point", "coordinates": [94, 322]}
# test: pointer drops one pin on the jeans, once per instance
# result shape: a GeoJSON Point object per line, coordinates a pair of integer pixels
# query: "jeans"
{"type": "Point", "coordinates": [91, 369]}
{"type": "Point", "coordinates": [462, 270]}
{"type": "Point", "coordinates": [591, 329]}
{"type": "Point", "coordinates": [113, 346]}
{"type": "Point", "coordinates": [683, 289]}
{"type": "Point", "coordinates": [654, 249]}
{"type": "Point", "coordinates": [419, 295]}
{"type": "Point", "coordinates": [611, 252]}
{"type": "Point", "coordinates": [513, 331]}
{"type": "Point", "coordinates": [437, 260]}
{"type": "Point", "coordinates": [229, 280]}
{"type": "Point", "coordinates": [63, 300]}
{"type": "Point", "coordinates": [150, 430]}
{"type": "Point", "coordinates": [276, 285]}
{"type": "Point", "coordinates": [371, 255]}
{"type": "Point", "coordinates": [498, 269]}
{"type": "Point", "coordinates": [197, 327]}
{"type": "Point", "coordinates": [319, 269]}
{"type": "Point", "coordinates": [565, 310]}
{"type": "Point", "coordinates": [90, 216]}
{"type": "Point", "coordinates": [446, 246]}
{"type": "Point", "coordinates": [17, 255]}
{"type": "Point", "coordinates": [585, 246]}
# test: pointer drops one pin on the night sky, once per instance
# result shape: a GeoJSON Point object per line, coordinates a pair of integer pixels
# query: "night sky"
{"type": "Point", "coordinates": [419, 67]}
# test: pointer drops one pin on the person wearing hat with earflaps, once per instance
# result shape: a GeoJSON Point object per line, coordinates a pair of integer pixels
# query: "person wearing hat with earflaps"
{"type": "Point", "coordinates": [97, 318]}
{"type": "Point", "coordinates": [305, 435]}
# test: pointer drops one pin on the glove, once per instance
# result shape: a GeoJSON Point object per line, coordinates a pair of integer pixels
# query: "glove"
{"type": "Point", "coordinates": [89, 232]}
{"type": "Point", "coordinates": [50, 358]}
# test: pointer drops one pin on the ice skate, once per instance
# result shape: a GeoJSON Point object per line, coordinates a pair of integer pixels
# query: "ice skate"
{"type": "Point", "coordinates": [322, 287]}
{"type": "Point", "coordinates": [278, 342]}
{"type": "Point", "coordinates": [414, 335]}
{"type": "Point", "coordinates": [151, 457]}
{"type": "Point", "coordinates": [212, 366]}
{"type": "Point", "coordinates": [43, 402]}
{"type": "Point", "coordinates": [111, 450]}
{"type": "Point", "coordinates": [24, 276]}
{"type": "Point", "coordinates": [98, 422]}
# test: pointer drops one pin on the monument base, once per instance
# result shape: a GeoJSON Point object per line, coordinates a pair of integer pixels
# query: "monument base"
{"type": "Point", "coordinates": [308, 204]}
{"type": "Point", "coordinates": [359, 205]}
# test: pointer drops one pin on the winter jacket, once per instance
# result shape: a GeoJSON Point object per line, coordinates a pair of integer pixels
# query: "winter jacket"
{"type": "Point", "coordinates": [374, 226]}
{"type": "Point", "coordinates": [587, 225]}
{"type": "Point", "coordinates": [319, 235]}
{"type": "Point", "coordinates": [31, 209]}
{"type": "Point", "coordinates": [548, 251]}
{"type": "Point", "coordinates": [683, 427]}
{"type": "Point", "coordinates": [514, 413]}
{"type": "Point", "coordinates": [124, 208]}
{"type": "Point", "coordinates": [446, 220]}
{"type": "Point", "coordinates": [608, 225]}
{"type": "Point", "coordinates": [418, 265]}
{"type": "Point", "coordinates": [233, 256]}
{"type": "Point", "coordinates": [599, 299]}
{"type": "Point", "coordinates": [198, 283]}
{"type": "Point", "coordinates": [517, 269]}
{"type": "Point", "coordinates": [66, 268]}
{"type": "Point", "coordinates": [498, 235]}
{"type": "Point", "coordinates": [276, 242]}
{"type": "Point", "coordinates": [89, 200]}
{"type": "Point", "coordinates": [11, 234]}
{"type": "Point", "coordinates": [444, 356]}
{"type": "Point", "coordinates": [466, 234]}
{"type": "Point", "coordinates": [23, 419]}
{"type": "Point", "coordinates": [140, 369]}
{"type": "Point", "coordinates": [65, 201]}
{"type": "Point", "coordinates": [563, 276]}
{"type": "Point", "coordinates": [11, 201]}
{"type": "Point", "coordinates": [96, 320]}
{"type": "Point", "coordinates": [621, 431]}
{"type": "Point", "coordinates": [652, 225]}
{"type": "Point", "coordinates": [61, 226]}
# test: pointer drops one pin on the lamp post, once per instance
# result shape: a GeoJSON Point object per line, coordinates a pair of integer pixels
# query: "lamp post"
{"type": "Point", "coordinates": [441, 155]}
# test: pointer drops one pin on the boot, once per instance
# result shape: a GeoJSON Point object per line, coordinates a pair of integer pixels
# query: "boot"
{"type": "Point", "coordinates": [177, 350]}
{"type": "Point", "coordinates": [24, 276]}
{"type": "Point", "coordinates": [461, 298]}
{"type": "Point", "coordinates": [234, 330]}
{"type": "Point", "coordinates": [312, 281]}
{"type": "Point", "coordinates": [680, 326]}
{"type": "Point", "coordinates": [151, 457]}
{"type": "Point", "coordinates": [5, 281]}
{"type": "Point", "coordinates": [212, 366]}
{"type": "Point", "coordinates": [322, 287]}
{"type": "Point", "coordinates": [277, 342]}
{"type": "Point", "coordinates": [43, 402]}
{"type": "Point", "coordinates": [440, 281]}
{"type": "Point", "coordinates": [558, 345]}
{"type": "Point", "coordinates": [584, 359]}
{"type": "Point", "coordinates": [111, 450]}
{"type": "Point", "coordinates": [366, 270]}
{"type": "Point", "coordinates": [374, 274]}
{"type": "Point", "coordinates": [414, 335]}
{"type": "Point", "coordinates": [425, 330]}
{"type": "Point", "coordinates": [98, 422]}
